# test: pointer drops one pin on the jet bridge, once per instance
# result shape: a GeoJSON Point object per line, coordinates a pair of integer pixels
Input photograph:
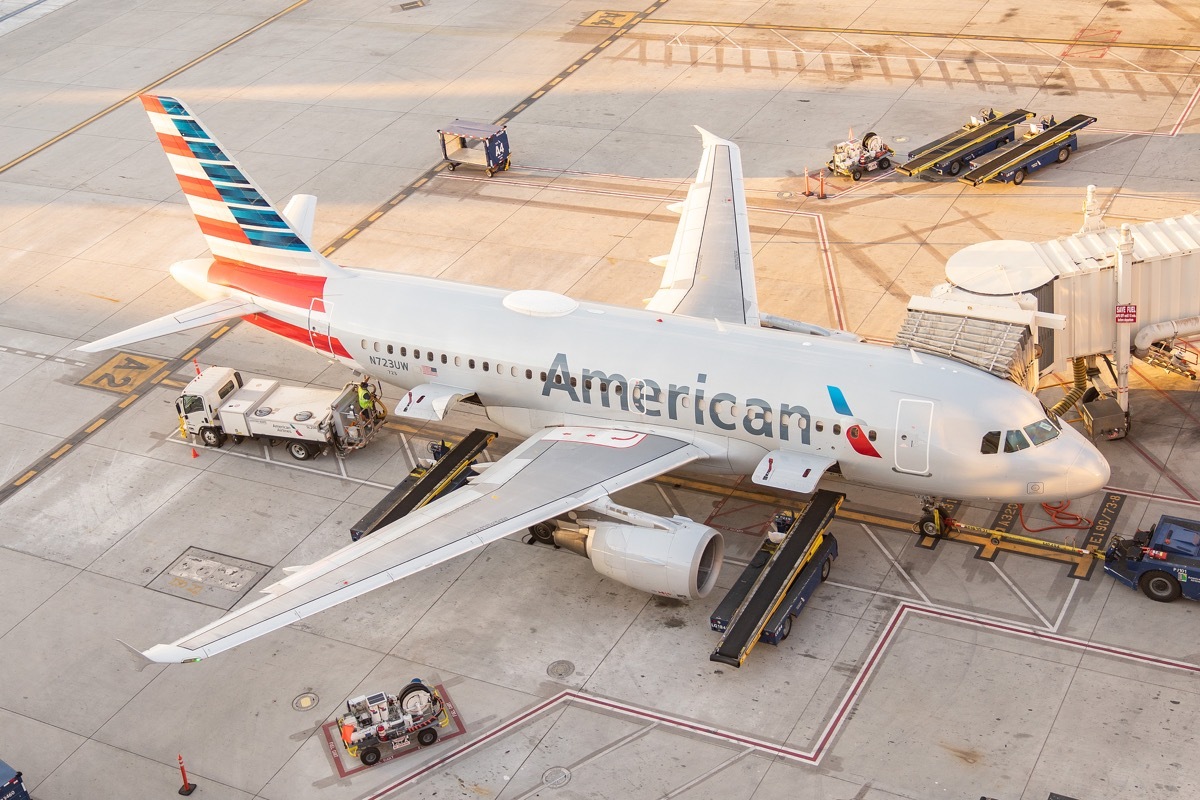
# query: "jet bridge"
{"type": "Point", "coordinates": [761, 592]}
{"type": "Point", "coordinates": [948, 154]}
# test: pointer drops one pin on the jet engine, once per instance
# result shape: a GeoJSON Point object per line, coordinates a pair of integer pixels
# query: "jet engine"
{"type": "Point", "coordinates": [674, 558]}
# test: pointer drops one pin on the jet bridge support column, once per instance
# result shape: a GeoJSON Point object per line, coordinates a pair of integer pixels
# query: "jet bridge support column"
{"type": "Point", "coordinates": [1121, 350]}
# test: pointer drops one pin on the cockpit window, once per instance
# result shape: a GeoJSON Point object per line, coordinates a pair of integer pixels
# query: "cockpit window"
{"type": "Point", "coordinates": [991, 443]}
{"type": "Point", "coordinates": [1041, 431]}
{"type": "Point", "coordinates": [1014, 441]}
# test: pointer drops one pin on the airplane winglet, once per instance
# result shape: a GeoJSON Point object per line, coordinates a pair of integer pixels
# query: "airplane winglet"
{"type": "Point", "coordinates": [140, 662]}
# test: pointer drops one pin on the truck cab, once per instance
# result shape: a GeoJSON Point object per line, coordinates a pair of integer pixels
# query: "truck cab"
{"type": "Point", "coordinates": [197, 405]}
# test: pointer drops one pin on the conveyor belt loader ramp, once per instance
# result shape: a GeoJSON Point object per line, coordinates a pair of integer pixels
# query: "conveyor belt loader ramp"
{"type": "Point", "coordinates": [1053, 144]}
{"type": "Point", "coordinates": [415, 491]}
{"type": "Point", "coordinates": [768, 592]}
{"type": "Point", "coordinates": [948, 153]}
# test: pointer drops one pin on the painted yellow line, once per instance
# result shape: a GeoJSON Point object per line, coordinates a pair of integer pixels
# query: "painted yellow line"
{"type": "Point", "coordinates": [351, 234]}
{"type": "Point", "coordinates": [419, 182]}
{"type": "Point", "coordinates": [191, 354]}
{"type": "Point", "coordinates": [375, 216]}
{"type": "Point", "coordinates": [157, 379]}
{"type": "Point", "coordinates": [328, 250]}
{"type": "Point", "coordinates": [520, 108]}
{"type": "Point", "coordinates": [61, 450]}
{"type": "Point", "coordinates": [25, 477]}
{"type": "Point", "coordinates": [538, 93]}
{"type": "Point", "coordinates": [150, 86]}
{"type": "Point", "coordinates": [128, 401]}
{"type": "Point", "coordinates": [572, 68]}
{"type": "Point", "coordinates": [556, 81]}
{"type": "Point", "coordinates": [95, 425]}
{"type": "Point", "coordinates": [765, 26]}
{"type": "Point", "coordinates": [174, 384]}
{"type": "Point", "coordinates": [224, 329]}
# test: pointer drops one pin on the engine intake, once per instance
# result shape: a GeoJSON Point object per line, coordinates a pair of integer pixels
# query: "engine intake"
{"type": "Point", "coordinates": [681, 560]}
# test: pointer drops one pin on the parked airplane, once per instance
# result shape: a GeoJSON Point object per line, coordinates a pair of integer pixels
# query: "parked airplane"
{"type": "Point", "coordinates": [606, 397]}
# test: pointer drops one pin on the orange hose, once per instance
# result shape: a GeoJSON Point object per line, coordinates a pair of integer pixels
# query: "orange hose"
{"type": "Point", "coordinates": [1060, 516]}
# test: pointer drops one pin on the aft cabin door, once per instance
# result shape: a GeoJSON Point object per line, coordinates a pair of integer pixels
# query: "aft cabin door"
{"type": "Point", "coordinates": [319, 313]}
{"type": "Point", "coordinates": [914, 422]}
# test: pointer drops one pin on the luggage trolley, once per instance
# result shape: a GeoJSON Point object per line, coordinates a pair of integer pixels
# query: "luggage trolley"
{"type": "Point", "coordinates": [481, 143]}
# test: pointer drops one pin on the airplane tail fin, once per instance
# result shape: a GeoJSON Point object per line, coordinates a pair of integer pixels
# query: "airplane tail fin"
{"type": "Point", "coordinates": [237, 219]}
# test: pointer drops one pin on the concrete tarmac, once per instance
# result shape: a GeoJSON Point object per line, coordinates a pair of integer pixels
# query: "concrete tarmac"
{"type": "Point", "coordinates": [916, 672]}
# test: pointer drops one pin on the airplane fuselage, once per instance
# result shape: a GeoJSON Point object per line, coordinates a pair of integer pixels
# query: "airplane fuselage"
{"type": "Point", "coordinates": [890, 417]}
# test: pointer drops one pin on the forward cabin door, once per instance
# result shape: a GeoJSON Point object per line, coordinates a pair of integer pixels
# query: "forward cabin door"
{"type": "Point", "coordinates": [914, 424]}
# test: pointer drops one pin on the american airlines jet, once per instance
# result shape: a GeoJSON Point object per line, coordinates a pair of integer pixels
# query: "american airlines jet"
{"type": "Point", "coordinates": [605, 397]}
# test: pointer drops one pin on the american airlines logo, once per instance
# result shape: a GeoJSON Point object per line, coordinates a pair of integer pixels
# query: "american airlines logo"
{"type": "Point", "coordinates": [649, 398]}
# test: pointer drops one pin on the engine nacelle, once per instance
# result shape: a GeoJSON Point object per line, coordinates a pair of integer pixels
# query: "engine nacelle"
{"type": "Point", "coordinates": [681, 561]}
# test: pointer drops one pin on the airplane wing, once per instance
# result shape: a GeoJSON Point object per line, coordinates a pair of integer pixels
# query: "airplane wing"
{"type": "Point", "coordinates": [551, 473]}
{"type": "Point", "coordinates": [710, 271]}
{"type": "Point", "coordinates": [207, 313]}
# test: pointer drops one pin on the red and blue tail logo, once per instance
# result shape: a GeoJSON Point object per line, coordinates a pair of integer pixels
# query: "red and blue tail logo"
{"type": "Point", "coordinates": [854, 433]}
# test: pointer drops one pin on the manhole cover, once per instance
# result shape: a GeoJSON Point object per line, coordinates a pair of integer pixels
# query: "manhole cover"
{"type": "Point", "coordinates": [785, 195]}
{"type": "Point", "coordinates": [306, 701]}
{"type": "Point", "coordinates": [560, 669]}
{"type": "Point", "coordinates": [556, 777]}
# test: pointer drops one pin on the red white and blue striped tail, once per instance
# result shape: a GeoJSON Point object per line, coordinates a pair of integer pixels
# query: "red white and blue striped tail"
{"type": "Point", "coordinates": [235, 215]}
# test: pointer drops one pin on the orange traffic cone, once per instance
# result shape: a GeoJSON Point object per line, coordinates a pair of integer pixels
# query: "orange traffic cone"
{"type": "Point", "coordinates": [194, 453]}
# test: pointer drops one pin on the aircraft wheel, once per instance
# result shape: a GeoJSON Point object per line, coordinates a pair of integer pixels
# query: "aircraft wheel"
{"type": "Point", "coordinates": [301, 451]}
{"type": "Point", "coordinates": [212, 437]}
{"type": "Point", "coordinates": [825, 568]}
{"type": "Point", "coordinates": [787, 628]}
{"type": "Point", "coordinates": [856, 174]}
{"type": "Point", "coordinates": [452, 166]}
{"type": "Point", "coordinates": [490, 172]}
{"type": "Point", "coordinates": [370, 756]}
{"type": "Point", "coordinates": [542, 532]}
{"type": "Point", "coordinates": [1064, 154]}
{"type": "Point", "coordinates": [1160, 586]}
{"type": "Point", "coordinates": [426, 737]}
{"type": "Point", "coordinates": [1019, 177]}
{"type": "Point", "coordinates": [927, 526]}
{"type": "Point", "coordinates": [955, 167]}
{"type": "Point", "coordinates": [885, 163]}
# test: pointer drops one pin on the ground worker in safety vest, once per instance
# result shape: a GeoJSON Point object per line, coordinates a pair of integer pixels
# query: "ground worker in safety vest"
{"type": "Point", "coordinates": [366, 402]}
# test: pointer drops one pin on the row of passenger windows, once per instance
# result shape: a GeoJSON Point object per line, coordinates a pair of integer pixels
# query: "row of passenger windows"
{"type": "Point", "coordinates": [685, 400]}
{"type": "Point", "coordinates": [1038, 433]}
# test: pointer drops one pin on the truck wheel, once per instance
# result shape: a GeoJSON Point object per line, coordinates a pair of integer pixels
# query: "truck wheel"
{"type": "Point", "coordinates": [856, 174]}
{"type": "Point", "coordinates": [426, 737]}
{"type": "Point", "coordinates": [212, 437]}
{"type": "Point", "coordinates": [301, 451]}
{"type": "Point", "coordinates": [416, 698]}
{"type": "Point", "coordinates": [955, 167]}
{"type": "Point", "coordinates": [1064, 154]}
{"type": "Point", "coordinates": [1019, 177]}
{"type": "Point", "coordinates": [370, 756]}
{"type": "Point", "coordinates": [825, 568]}
{"type": "Point", "coordinates": [885, 163]}
{"type": "Point", "coordinates": [1160, 586]}
{"type": "Point", "coordinates": [787, 628]}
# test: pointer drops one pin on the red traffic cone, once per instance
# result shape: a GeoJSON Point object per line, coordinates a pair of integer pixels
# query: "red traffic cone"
{"type": "Point", "coordinates": [194, 453]}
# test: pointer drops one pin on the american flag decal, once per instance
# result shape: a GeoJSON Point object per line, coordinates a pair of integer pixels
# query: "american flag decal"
{"type": "Point", "coordinates": [432, 371]}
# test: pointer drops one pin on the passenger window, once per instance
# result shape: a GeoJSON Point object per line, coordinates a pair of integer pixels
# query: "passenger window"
{"type": "Point", "coordinates": [224, 391]}
{"type": "Point", "coordinates": [991, 443]}
{"type": "Point", "coordinates": [375, 345]}
{"type": "Point", "coordinates": [686, 401]}
{"type": "Point", "coordinates": [514, 372]}
{"type": "Point", "coordinates": [1014, 441]}
{"type": "Point", "coordinates": [871, 435]}
{"type": "Point", "coordinates": [1041, 431]}
{"type": "Point", "coordinates": [444, 359]}
{"type": "Point", "coordinates": [603, 387]}
{"type": "Point", "coordinates": [471, 363]}
{"type": "Point", "coordinates": [403, 351]}
{"type": "Point", "coordinates": [543, 377]}
{"type": "Point", "coordinates": [837, 429]}
{"type": "Point", "coordinates": [429, 355]}
{"type": "Point", "coordinates": [364, 344]}
{"type": "Point", "coordinates": [458, 361]}
{"type": "Point", "coordinates": [485, 366]}
{"type": "Point", "coordinates": [574, 382]}
{"type": "Point", "coordinates": [619, 388]}
{"type": "Point", "coordinates": [416, 353]}
{"type": "Point", "coordinates": [820, 426]}
{"type": "Point", "coordinates": [557, 378]}
{"type": "Point", "coordinates": [499, 369]}
{"type": "Point", "coordinates": [529, 374]}
{"type": "Point", "coordinates": [854, 433]}
{"type": "Point", "coordinates": [587, 384]}
{"type": "Point", "coordinates": [389, 349]}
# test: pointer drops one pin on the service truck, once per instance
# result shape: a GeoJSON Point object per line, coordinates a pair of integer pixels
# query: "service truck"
{"type": "Point", "coordinates": [1164, 562]}
{"type": "Point", "coordinates": [217, 404]}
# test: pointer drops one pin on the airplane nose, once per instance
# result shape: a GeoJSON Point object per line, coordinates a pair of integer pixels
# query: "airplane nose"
{"type": "Point", "coordinates": [1089, 471]}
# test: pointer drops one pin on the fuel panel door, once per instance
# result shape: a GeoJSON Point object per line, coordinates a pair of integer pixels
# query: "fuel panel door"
{"type": "Point", "coordinates": [914, 424]}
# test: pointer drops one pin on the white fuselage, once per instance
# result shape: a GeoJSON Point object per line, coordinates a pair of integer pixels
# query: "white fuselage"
{"type": "Point", "coordinates": [738, 391]}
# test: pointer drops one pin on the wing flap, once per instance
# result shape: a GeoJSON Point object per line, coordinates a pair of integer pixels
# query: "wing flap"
{"type": "Point", "coordinates": [557, 475]}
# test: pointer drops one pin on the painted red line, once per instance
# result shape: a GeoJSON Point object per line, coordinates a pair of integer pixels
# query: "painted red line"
{"type": "Point", "coordinates": [1187, 110]}
{"type": "Point", "coordinates": [1170, 398]}
{"type": "Point", "coordinates": [1161, 467]}
{"type": "Point", "coordinates": [1166, 498]}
